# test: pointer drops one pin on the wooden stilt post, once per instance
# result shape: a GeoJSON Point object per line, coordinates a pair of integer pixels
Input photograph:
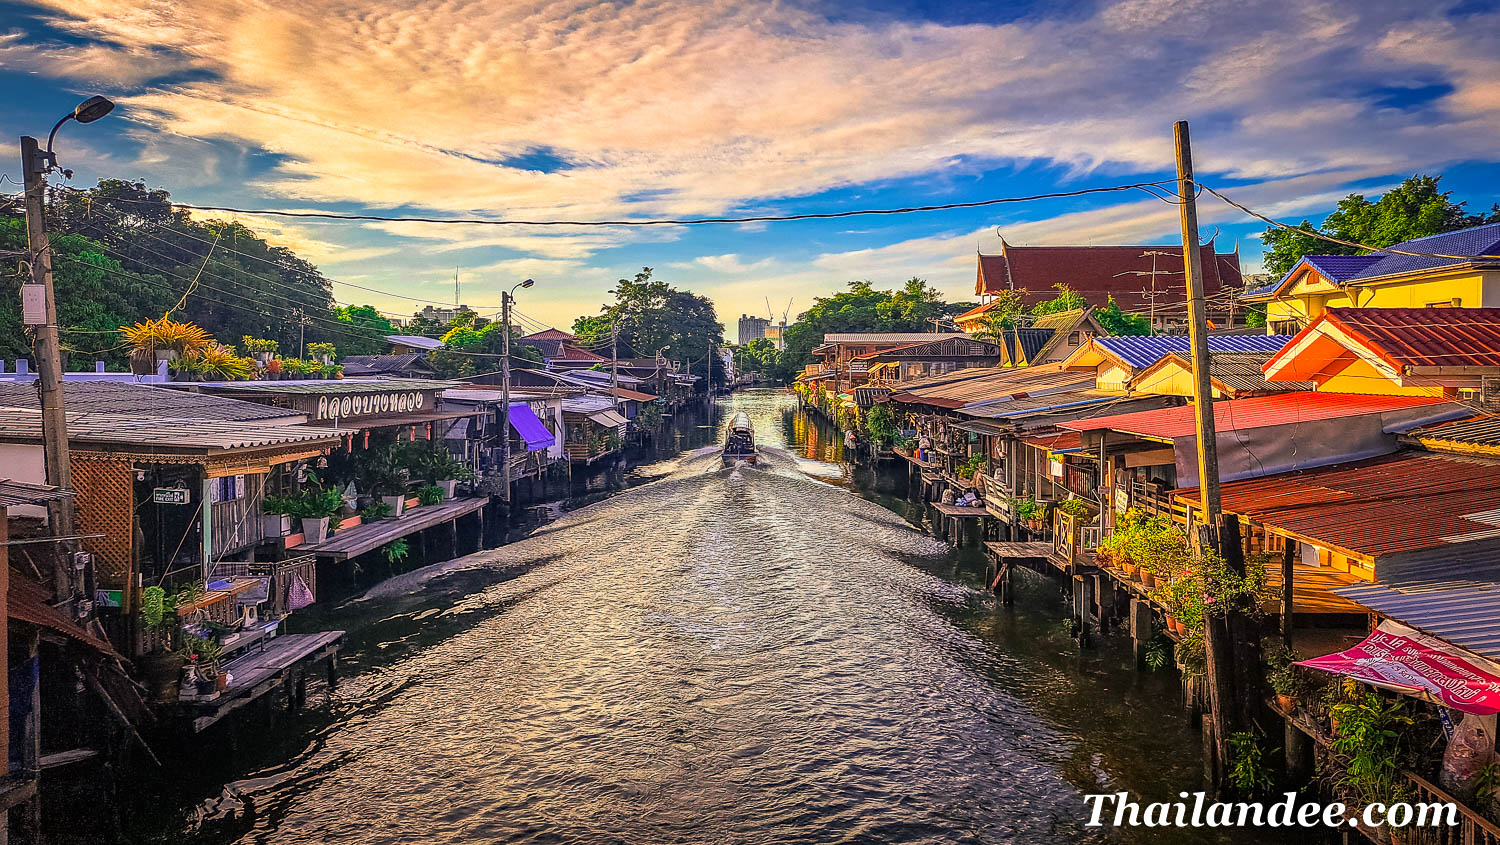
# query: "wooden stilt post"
{"type": "Point", "coordinates": [1141, 632]}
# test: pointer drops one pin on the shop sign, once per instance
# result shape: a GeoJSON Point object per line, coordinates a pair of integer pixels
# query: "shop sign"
{"type": "Point", "coordinates": [170, 495]}
{"type": "Point", "coordinates": [364, 404]}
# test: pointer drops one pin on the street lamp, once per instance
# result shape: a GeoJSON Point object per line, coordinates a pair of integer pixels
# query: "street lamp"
{"type": "Point", "coordinates": [505, 302]}
{"type": "Point", "coordinates": [35, 164]}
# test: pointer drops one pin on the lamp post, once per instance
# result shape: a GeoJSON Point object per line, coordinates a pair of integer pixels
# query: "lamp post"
{"type": "Point", "coordinates": [36, 163]}
{"type": "Point", "coordinates": [505, 302]}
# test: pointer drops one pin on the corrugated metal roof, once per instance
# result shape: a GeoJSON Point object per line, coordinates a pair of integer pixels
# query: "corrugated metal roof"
{"type": "Point", "coordinates": [1061, 442]}
{"type": "Point", "coordinates": [163, 432]}
{"type": "Point", "coordinates": [1253, 412]}
{"type": "Point", "coordinates": [1342, 269]}
{"type": "Point", "coordinates": [1033, 403]}
{"type": "Point", "coordinates": [1465, 613]}
{"type": "Point", "coordinates": [1141, 352]}
{"type": "Point", "coordinates": [325, 386]}
{"type": "Point", "coordinates": [142, 400]}
{"type": "Point", "coordinates": [1479, 431]}
{"type": "Point", "coordinates": [28, 601]}
{"type": "Point", "coordinates": [415, 341]}
{"type": "Point", "coordinates": [14, 493]}
{"type": "Point", "coordinates": [997, 386]}
{"type": "Point", "coordinates": [888, 337]}
{"type": "Point", "coordinates": [1424, 337]}
{"type": "Point", "coordinates": [1380, 506]}
{"type": "Point", "coordinates": [1235, 372]}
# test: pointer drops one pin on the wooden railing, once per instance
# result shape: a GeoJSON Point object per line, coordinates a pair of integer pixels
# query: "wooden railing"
{"type": "Point", "coordinates": [1472, 828]}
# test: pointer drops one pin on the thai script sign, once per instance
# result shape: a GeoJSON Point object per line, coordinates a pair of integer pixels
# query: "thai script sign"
{"type": "Point", "coordinates": [1399, 658]}
{"type": "Point", "coordinates": [364, 404]}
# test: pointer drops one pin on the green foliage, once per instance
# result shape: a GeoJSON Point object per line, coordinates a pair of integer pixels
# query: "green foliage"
{"type": "Point", "coordinates": [650, 315]}
{"type": "Point", "coordinates": [971, 466]}
{"type": "Point", "coordinates": [376, 511]}
{"type": "Point", "coordinates": [1118, 323]}
{"type": "Point", "coordinates": [861, 308]}
{"type": "Point", "coordinates": [319, 350]}
{"type": "Point", "coordinates": [155, 607]}
{"type": "Point", "coordinates": [395, 551]}
{"type": "Point", "coordinates": [1281, 674]}
{"type": "Point", "coordinates": [1005, 313]}
{"type": "Point", "coordinates": [649, 416]}
{"type": "Point", "coordinates": [1067, 299]}
{"type": "Point", "coordinates": [1153, 543]}
{"type": "Point", "coordinates": [1026, 509]}
{"type": "Point", "coordinates": [1074, 507]}
{"type": "Point", "coordinates": [1366, 748]}
{"type": "Point", "coordinates": [257, 344]}
{"type": "Point", "coordinates": [430, 461]}
{"type": "Point", "coordinates": [429, 495]}
{"type": "Point", "coordinates": [307, 503]}
{"type": "Point", "coordinates": [1248, 771]}
{"type": "Point", "coordinates": [365, 330]}
{"type": "Point", "coordinates": [1416, 208]}
{"type": "Point", "coordinates": [294, 366]}
{"type": "Point", "coordinates": [1155, 657]}
{"type": "Point", "coordinates": [880, 422]}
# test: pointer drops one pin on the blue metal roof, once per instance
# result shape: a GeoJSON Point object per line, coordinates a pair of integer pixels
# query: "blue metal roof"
{"type": "Point", "coordinates": [1340, 269]}
{"type": "Point", "coordinates": [1142, 352]}
{"type": "Point", "coordinates": [1465, 613]}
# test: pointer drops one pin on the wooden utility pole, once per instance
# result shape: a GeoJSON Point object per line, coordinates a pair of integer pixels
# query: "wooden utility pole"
{"type": "Point", "coordinates": [504, 393]}
{"type": "Point", "coordinates": [34, 165]}
{"type": "Point", "coordinates": [1203, 393]}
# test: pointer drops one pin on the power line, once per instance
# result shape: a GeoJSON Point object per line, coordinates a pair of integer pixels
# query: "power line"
{"type": "Point", "coordinates": [689, 221]}
{"type": "Point", "coordinates": [1340, 241]}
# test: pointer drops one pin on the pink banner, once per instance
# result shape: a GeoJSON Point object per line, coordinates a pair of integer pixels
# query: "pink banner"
{"type": "Point", "coordinates": [1399, 658]}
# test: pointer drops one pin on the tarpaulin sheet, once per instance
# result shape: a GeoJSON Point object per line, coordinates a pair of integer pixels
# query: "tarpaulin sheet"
{"type": "Point", "coordinates": [526, 424]}
{"type": "Point", "coordinates": [1399, 658]}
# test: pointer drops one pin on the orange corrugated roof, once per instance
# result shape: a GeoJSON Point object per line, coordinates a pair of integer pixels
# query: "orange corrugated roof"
{"type": "Point", "coordinates": [1367, 507]}
{"type": "Point", "coordinates": [1425, 337]}
{"type": "Point", "coordinates": [1253, 412]}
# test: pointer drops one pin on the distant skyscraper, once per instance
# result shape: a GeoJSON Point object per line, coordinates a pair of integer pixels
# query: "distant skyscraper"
{"type": "Point", "coordinates": [752, 328]}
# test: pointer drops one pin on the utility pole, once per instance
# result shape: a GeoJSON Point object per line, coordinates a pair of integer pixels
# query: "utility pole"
{"type": "Point", "coordinates": [34, 166]}
{"type": "Point", "coordinates": [1203, 396]}
{"type": "Point", "coordinates": [504, 392]}
{"type": "Point", "coordinates": [614, 362]}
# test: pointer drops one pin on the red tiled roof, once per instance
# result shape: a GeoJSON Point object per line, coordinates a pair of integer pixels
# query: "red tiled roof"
{"type": "Point", "coordinates": [1093, 271]}
{"type": "Point", "coordinates": [1253, 412]}
{"type": "Point", "coordinates": [1367, 506]}
{"type": "Point", "coordinates": [1424, 337]}
{"type": "Point", "coordinates": [551, 334]}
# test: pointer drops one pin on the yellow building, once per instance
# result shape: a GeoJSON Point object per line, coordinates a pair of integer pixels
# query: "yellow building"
{"type": "Point", "coordinates": [1452, 270]}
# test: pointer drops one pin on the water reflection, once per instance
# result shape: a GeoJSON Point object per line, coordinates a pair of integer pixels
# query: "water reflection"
{"type": "Point", "coordinates": [746, 654]}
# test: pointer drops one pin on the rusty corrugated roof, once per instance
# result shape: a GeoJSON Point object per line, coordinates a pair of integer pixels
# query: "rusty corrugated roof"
{"type": "Point", "coordinates": [28, 601]}
{"type": "Point", "coordinates": [14, 493]}
{"type": "Point", "coordinates": [1425, 337]}
{"type": "Point", "coordinates": [1374, 507]}
{"type": "Point", "coordinates": [1252, 412]}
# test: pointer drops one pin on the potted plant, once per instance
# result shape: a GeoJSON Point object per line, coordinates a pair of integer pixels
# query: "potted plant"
{"type": "Point", "coordinates": [323, 353]}
{"type": "Point", "coordinates": [429, 495]}
{"type": "Point", "coordinates": [260, 349]}
{"type": "Point", "coordinates": [1366, 749]}
{"type": "Point", "coordinates": [276, 519]}
{"type": "Point", "coordinates": [375, 511]}
{"type": "Point", "coordinates": [1281, 676]}
{"type": "Point", "coordinates": [317, 509]}
{"type": "Point", "coordinates": [166, 339]}
{"type": "Point", "coordinates": [294, 367]}
{"type": "Point", "coordinates": [385, 475]}
{"type": "Point", "coordinates": [161, 666]}
{"type": "Point", "coordinates": [273, 369]}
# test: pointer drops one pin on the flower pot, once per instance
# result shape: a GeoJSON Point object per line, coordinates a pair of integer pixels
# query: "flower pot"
{"type": "Point", "coordinates": [1285, 702]}
{"type": "Point", "coordinates": [163, 675]}
{"type": "Point", "coordinates": [221, 682]}
{"type": "Point", "coordinates": [448, 487]}
{"type": "Point", "coordinates": [276, 525]}
{"type": "Point", "coordinates": [397, 503]}
{"type": "Point", "coordinates": [315, 530]}
{"type": "Point", "coordinates": [1148, 580]}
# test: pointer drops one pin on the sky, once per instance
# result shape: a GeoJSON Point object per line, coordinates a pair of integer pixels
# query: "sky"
{"type": "Point", "coordinates": [672, 108]}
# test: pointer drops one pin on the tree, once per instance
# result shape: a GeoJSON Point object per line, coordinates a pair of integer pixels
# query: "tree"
{"type": "Point", "coordinates": [1414, 209]}
{"type": "Point", "coordinates": [652, 317]}
{"type": "Point", "coordinates": [366, 330]}
{"type": "Point", "coordinates": [1067, 299]}
{"type": "Point", "coordinates": [1115, 321]}
{"type": "Point", "coordinates": [1004, 314]}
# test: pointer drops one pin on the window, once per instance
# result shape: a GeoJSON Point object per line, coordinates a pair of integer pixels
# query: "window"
{"type": "Point", "coordinates": [1073, 338]}
{"type": "Point", "coordinates": [1455, 302]}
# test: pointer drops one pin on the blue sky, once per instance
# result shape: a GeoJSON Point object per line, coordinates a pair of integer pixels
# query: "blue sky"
{"type": "Point", "coordinates": [673, 108]}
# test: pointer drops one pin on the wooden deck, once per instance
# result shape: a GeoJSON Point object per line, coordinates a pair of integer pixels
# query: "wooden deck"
{"type": "Point", "coordinates": [958, 512]}
{"type": "Point", "coordinates": [360, 539]}
{"type": "Point", "coordinates": [262, 670]}
{"type": "Point", "coordinates": [1312, 590]}
{"type": "Point", "coordinates": [1023, 551]}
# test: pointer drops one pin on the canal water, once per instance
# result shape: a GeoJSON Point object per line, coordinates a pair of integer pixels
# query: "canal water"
{"type": "Point", "coordinates": [767, 654]}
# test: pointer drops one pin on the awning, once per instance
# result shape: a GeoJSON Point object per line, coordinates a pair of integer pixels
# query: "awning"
{"type": "Point", "coordinates": [526, 424]}
{"type": "Point", "coordinates": [1400, 658]}
{"type": "Point", "coordinates": [607, 418]}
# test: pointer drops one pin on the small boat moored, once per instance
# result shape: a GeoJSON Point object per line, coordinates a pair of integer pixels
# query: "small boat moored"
{"type": "Point", "coordinates": [739, 440]}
